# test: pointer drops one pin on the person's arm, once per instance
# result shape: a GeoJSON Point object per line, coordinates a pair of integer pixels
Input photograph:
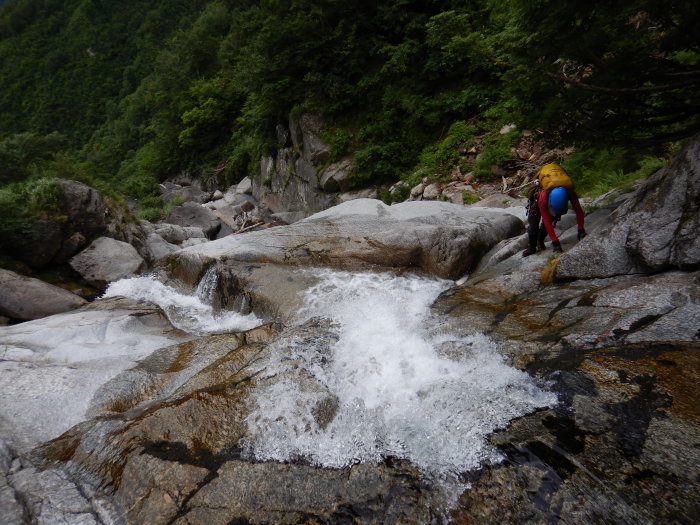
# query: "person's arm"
{"type": "Point", "coordinates": [546, 219]}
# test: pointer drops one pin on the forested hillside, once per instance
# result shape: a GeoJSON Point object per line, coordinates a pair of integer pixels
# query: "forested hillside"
{"type": "Point", "coordinates": [125, 94]}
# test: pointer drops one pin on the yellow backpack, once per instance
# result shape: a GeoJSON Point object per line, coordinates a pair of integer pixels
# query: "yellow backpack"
{"type": "Point", "coordinates": [552, 176]}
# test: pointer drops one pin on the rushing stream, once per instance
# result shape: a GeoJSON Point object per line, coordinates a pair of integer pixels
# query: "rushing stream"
{"type": "Point", "coordinates": [404, 387]}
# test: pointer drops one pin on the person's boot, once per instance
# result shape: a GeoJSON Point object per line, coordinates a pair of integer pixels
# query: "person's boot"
{"type": "Point", "coordinates": [528, 251]}
{"type": "Point", "coordinates": [541, 247]}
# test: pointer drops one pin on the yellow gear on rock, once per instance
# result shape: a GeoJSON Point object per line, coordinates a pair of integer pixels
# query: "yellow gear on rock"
{"type": "Point", "coordinates": [553, 176]}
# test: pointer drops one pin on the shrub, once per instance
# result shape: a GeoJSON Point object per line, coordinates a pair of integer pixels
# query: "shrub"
{"type": "Point", "coordinates": [23, 203]}
{"type": "Point", "coordinates": [596, 172]}
{"type": "Point", "coordinates": [469, 198]}
{"type": "Point", "coordinates": [495, 151]}
{"type": "Point", "coordinates": [338, 140]}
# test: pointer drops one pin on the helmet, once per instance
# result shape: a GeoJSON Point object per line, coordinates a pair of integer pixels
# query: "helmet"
{"type": "Point", "coordinates": [558, 201]}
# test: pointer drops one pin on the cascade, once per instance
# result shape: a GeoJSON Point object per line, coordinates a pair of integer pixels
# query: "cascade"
{"type": "Point", "coordinates": [191, 313]}
{"type": "Point", "coordinates": [405, 387]}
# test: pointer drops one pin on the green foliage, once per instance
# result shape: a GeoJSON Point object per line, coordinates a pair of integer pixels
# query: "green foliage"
{"type": "Point", "coordinates": [23, 203]}
{"type": "Point", "coordinates": [143, 90]}
{"type": "Point", "coordinates": [469, 198]}
{"type": "Point", "coordinates": [436, 161]}
{"type": "Point", "coordinates": [495, 151]}
{"type": "Point", "coordinates": [338, 140]}
{"type": "Point", "coordinates": [24, 153]}
{"type": "Point", "coordinates": [598, 171]}
{"type": "Point", "coordinates": [604, 70]}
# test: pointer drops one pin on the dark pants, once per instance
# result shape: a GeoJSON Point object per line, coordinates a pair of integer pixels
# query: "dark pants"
{"type": "Point", "coordinates": [536, 232]}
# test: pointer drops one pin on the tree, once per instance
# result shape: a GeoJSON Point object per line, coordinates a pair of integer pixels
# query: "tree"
{"type": "Point", "coordinates": [611, 70]}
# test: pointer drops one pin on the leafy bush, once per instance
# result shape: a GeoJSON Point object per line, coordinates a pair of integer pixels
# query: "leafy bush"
{"type": "Point", "coordinates": [469, 198]}
{"type": "Point", "coordinates": [495, 151]}
{"type": "Point", "coordinates": [598, 171]}
{"type": "Point", "coordinates": [23, 203]}
{"type": "Point", "coordinates": [338, 140]}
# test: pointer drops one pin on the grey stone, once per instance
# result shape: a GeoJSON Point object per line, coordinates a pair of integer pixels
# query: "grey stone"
{"type": "Point", "coordinates": [336, 177]}
{"type": "Point", "coordinates": [107, 260]}
{"type": "Point", "coordinates": [432, 192]}
{"type": "Point", "coordinates": [38, 247]}
{"type": "Point", "coordinates": [51, 497]}
{"type": "Point", "coordinates": [25, 298]}
{"type": "Point", "coordinates": [51, 367]}
{"type": "Point", "coordinates": [291, 217]}
{"type": "Point", "coordinates": [186, 194]}
{"type": "Point", "coordinates": [159, 247]}
{"type": "Point", "coordinates": [245, 186]}
{"type": "Point", "coordinates": [439, 238]}
{"type": "Point", "coordinates": [654, 229]}
{"type": "Point", "coordinates": [175, 234]}
{"type": "Point", "coordinates": [193, 215]}
{"type": "Point", "coordinates": [84, 208]}
{"type": "Point", "coordinates": [315, 150]}
{"type": "Point", "coordinates": [368, 193]}
{"type": "Point", "coordinates": [70, 247]}
{"type": "Point", "coordinates": [283, 135]}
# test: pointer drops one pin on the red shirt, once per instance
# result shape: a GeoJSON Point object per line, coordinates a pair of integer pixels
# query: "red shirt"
{"type": "Point", "coordinates": [547, 220]}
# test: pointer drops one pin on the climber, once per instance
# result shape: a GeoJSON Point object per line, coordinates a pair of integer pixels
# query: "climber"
{"type": "Point", "coordinates": [548, 201]}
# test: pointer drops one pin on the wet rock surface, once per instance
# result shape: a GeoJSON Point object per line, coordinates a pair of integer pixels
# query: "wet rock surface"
{"type": "Point", "coordinates": [439, 238]}
{"type": "Point", "coordinates": [166, 444]}
{"type": "Point", "coordinates": [622, 353]}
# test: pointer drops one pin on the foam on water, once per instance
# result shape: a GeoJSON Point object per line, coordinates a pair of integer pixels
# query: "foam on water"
{"type": "Point", "coordinates": [404, 388]}
{"type": "Point", "coordinates": [191, 313]}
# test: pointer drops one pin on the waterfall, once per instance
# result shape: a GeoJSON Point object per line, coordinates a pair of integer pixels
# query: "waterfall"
{"type": "Point", "coordinates": [191, 313]}
{"type": "Point", "coordinates": [404, 387]}
{"type": "Point", "coordinates": [207, 285]}
{"type": "Point", "coordinates": [399, 384]}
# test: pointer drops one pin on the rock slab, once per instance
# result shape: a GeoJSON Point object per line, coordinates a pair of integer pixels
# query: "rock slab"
{"type": "Point", "coordinates": [26, 298]}
{"type": "Point", "coordinates": [107, 260]}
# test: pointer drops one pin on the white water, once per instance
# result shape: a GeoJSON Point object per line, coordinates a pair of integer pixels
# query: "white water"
{"type": "Point", "coordinates": [191, 313]}
{"type": "Point", "coordinates": [404, 388]}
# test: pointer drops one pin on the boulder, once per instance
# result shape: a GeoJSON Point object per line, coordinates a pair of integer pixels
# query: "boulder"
{"type": "Point", "coordinates": [245, 186]}
{"type": "Point", "coordinates": [367, 193]}
{"type": "Point", "coordinates": [290, 217]}
{"type": "Point", "coordinates": [289, 183]}
{"type": "Point", "coordinates": [438, 238]}
{"type": "Point", "coordinates": [70, 247]}
{"type": "Point", "coordinates": [657, 228]}
{"type": "Point", "coordinates": [175, 234]}
{"type": "Point", "coordinates": [185, 194]}
{"type": "Point", "coordinates": [107, 260]}
{"type": "Point", "coordinates": [432, 192]}
{"type": "Point", "coordinates": [159, 247]}
{"type": "Point", "coordinates": [417, 191]}
{"type": "Point", "coordinates": [194, 215]}
{"type": "Point", "coordinates": [83, 207]}
{"type": "Point", "coordinates": [336, 177]}
{"type": "Point", "coordinates": [57, 238]}
{"type": "Point", "coordinates": [25, 298]}
{"type": "Point", "coordinates": [304, 133]}
{"type": "Point", "coordinates": [39, 246]}
{"type": "Point", "coordinates": [51, 367]}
